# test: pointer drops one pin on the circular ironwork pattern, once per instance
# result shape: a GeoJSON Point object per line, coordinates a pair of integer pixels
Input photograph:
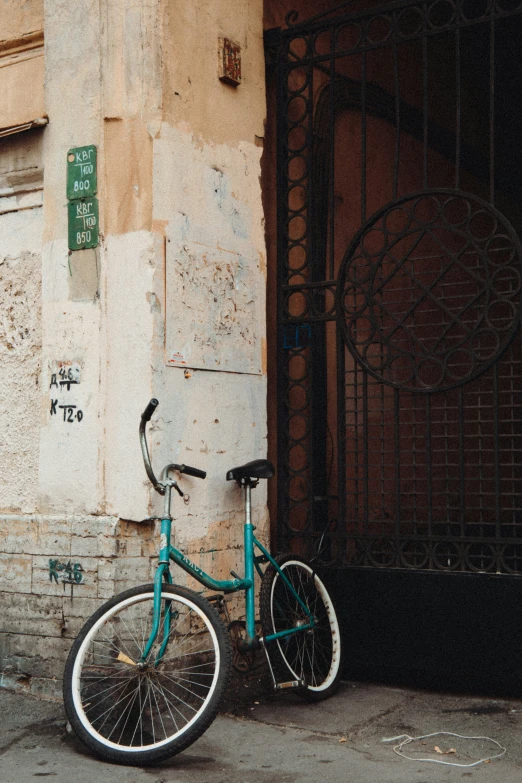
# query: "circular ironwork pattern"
{"type": "Point", "coordinates": [440, 555]}
{"type": "Point", "coordinates": [297, 432]}
{"type": "Point", "coordinates": [395, 25]}
{"type": "Point", "coordinates": [429, 290]}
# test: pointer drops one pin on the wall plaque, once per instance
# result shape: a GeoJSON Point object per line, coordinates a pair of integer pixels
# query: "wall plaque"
{"type": "Point", "coordinates": [81, 172]}
{"type": "Point", "coordinates": [83, 223]}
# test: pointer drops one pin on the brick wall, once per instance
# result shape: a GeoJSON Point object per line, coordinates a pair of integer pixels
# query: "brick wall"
{"type": "Point", "coordinates": [41, 610]}
{"type": "Point", "coordinates": [42, 607]}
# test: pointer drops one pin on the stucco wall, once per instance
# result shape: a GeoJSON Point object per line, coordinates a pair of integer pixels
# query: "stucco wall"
{"type": "Point", "coordinates": [20, 18]}
{"type": "Point", "coordinates": [21, 62]}
{"type": "Point", "coordinates": [20, 321]}
{"type": "Point", "coordinates": [181, 253]}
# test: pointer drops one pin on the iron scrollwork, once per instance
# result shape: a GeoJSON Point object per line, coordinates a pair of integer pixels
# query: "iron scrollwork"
{"type": "Point", "coordinates": [429, 291]}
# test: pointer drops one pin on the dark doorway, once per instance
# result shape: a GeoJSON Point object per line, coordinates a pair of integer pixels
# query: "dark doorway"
{"type": "Point", "coordinates": [399, 374]}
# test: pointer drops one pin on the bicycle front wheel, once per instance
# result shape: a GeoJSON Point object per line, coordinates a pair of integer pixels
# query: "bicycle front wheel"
{"type": "Point", "coordinates": [139, 713]}
{"type": "Point", "coordinates": [313, 656]}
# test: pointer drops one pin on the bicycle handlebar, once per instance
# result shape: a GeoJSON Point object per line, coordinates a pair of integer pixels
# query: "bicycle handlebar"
{"type": "Point", "coordinates": [149, 410]}
{"type": "Point", "coordinates": [145, 417]}
{"type": "Point", "coordinates": [196, 472]}
{"type": "Point", "coordinates": [187, 469]}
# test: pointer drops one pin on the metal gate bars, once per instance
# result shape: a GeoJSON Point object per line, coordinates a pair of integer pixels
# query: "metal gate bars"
{"type": "Point", "coordinates": [399, 263]}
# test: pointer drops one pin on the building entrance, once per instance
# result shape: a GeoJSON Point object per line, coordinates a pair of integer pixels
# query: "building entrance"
{"type": "Point", "coordinates": [399, 286]}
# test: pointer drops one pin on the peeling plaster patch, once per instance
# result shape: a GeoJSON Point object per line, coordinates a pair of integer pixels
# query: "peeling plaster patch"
{"type": "Point", "coordinates": [69, 477]}
{"type": "Point", "coordinates": [20, 345]}
{"type": "Point", "coordinates": [84, 271]}
{"type": "Point", "coordinates": [227, 204]}
{"type": "Point", "coordinates": [202, 181]}
{"type": "Point", "coordinates": [214, 254]}
{"type": "Point", "coordinates": [129, 355]}
{"type": "Point", "coordinates": [19, 306]}
{"type": "Point", "coordinates": [213, 310]}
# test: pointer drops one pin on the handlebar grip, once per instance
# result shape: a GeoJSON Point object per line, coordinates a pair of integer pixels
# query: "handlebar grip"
{"type": "Point", "coordinates": [193, 471]}
{"type": "Point", "coordinates": [149, 410]}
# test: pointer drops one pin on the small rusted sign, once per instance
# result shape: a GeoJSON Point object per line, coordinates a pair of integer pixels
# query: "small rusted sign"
{"type": "Point", "coordinates": [229, 62]}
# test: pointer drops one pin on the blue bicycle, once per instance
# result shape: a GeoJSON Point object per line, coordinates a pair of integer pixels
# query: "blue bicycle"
{"type": "Point", "coordinates": [146, 675]}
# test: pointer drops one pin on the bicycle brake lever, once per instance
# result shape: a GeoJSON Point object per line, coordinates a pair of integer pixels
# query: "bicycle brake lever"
{"type": "Point", "coordinates": [178, 490]}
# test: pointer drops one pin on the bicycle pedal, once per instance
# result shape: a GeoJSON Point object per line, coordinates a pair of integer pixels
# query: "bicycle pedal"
{"type": "Point", "coordinates": [279, 686]}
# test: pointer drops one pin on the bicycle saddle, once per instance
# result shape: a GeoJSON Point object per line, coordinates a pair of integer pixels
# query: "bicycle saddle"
{"type": "Point", "coordinates": [257, 469]}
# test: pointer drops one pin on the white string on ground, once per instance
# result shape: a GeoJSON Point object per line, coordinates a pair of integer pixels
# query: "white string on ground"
{"type": "Point", "coordinates": [406, 739]}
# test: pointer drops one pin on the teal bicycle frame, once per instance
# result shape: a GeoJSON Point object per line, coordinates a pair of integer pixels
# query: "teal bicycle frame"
{"type": "Point", "coordinates": [169, 552]}
{"type": "Point", "coordinates": [252, 563]}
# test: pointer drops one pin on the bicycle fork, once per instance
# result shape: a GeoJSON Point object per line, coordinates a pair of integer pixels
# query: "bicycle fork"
{"type": "Point", "coordinates": [162, 573]}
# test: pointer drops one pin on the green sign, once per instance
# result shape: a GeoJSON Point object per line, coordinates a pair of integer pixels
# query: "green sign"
{"type": "Point", "coordinates": [81, 172]}
{"type": "Point", "coordinates": [83, 223]}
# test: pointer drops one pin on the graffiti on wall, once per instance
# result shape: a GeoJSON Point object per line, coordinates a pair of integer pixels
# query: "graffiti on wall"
{"type": "Point", "coordinates": [66, 573]}
{"type": "Point", "coordinates": [63, 382]}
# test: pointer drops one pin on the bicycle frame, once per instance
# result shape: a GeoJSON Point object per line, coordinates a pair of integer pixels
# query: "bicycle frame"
{"type": "Point", "coordinates": [252, 563]}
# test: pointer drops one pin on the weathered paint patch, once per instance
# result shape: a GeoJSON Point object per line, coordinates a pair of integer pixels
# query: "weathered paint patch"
{"type": "Point", "coordinates": [127, 369]}
{"type": "Point", "coordinates": [212, 312]}
{"type": "Point", "coordinates": [214, 255]}
{"type": "Point", "coordinates": [20, 346]}
{"type": "Point", "coordinates": [84, 273]}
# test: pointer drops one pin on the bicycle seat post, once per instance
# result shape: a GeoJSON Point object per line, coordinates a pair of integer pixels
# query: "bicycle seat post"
{"type": "Point", "coordinates": [248, 502]}
{"type": "Point", "coordinates": [248, 484]}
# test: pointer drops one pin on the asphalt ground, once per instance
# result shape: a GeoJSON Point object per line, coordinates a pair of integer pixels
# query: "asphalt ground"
{"type": "Point", "coordinates": [277, 737]}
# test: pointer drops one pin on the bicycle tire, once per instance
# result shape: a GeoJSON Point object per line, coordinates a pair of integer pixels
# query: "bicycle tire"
{"type": "Point", "coordinates": [314, 656]}
{"type": "Point", "coordinates": [145, 716]}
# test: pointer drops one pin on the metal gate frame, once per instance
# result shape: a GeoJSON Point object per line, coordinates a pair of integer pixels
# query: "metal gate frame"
{"type": "Point", "coordinates": [311, 293]}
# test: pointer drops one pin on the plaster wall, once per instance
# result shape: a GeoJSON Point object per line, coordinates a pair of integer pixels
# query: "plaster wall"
{"type": "Point", "coordinates": [21, 226]}
{"type": "Point", "coordinates": [205, 201]}
{"type": "Point", "coordinates": [21, 62]}
{"type": "Point", "coordinates": [20, 18]}
{"type": "Point", "coordinates": [193, 96]}
{"type": "Point", "coordinates": [181, 252]}
{"type": "Point", "coordinates": [160, 183]}
{"type": "Point", "coordinates": [211, 377]}
{"type": "Point", "coordinates": [70, 451]}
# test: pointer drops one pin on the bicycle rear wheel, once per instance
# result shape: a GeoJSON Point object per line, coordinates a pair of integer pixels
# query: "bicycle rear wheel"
{"type": "Point", "coordinates": [139, 716]}
{"type": "Point", "coordinates": [314, 655]}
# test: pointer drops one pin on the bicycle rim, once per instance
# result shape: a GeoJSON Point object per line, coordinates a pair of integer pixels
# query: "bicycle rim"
{"type": "Point", "coordinates": [315, 655]}
{"type": "Point", "coordinates": [129, 710]}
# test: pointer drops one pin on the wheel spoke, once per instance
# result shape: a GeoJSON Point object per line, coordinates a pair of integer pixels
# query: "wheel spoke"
{"type": "Point", "coordinates": [179, 699]}
{"type": "Point", "coordinates": [129, 708]}
{"type": "Point", "coordinates": [139, 722]}
{"type": "Point", "coordinates": [108, 712]}
{"type": "Point", "coordinates": [151, 712]}
{"type": "Point", "coordinates": [310, 654]}
{"type": "Point", "coordinates": [120, 642]}
{"type": "Point", "coordinates": [112, 690]}
{"type": "Point", "coordinates": [168, 703]}
{"type": "Point", "coordinates": [159, 711]}
{"type": "Point", "coordinates": [176, 682]}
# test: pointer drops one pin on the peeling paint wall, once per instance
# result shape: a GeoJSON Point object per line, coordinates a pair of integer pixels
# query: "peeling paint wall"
{"type": "Point", "coordinates": [215, 252]}
{"type": "Point", "coordinates": [20, 18]}
{"type": "Point", "coordinates": [21, 224]}
{"type": "Point", "coordinates": [207, 205]}
{"type": "Point", "coordinates": [21, 61]}
{"type": "Point", "coordinates": [170, 304]}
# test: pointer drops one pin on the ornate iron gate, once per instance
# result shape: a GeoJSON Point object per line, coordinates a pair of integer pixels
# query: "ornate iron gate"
{"type": "Point", "coordinates": [399, 262]}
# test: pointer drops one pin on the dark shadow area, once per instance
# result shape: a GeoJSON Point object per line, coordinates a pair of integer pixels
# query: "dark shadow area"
{"type": "Point", "coordinates": [447, 632]}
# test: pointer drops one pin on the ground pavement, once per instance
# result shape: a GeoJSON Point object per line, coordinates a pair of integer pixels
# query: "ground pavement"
{"type": "Point", "coordinates": [278, 739]}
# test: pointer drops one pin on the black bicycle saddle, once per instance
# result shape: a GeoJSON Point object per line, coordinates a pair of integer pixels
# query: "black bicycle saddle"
{"type": "Point", "coordinates": [257, 469]}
